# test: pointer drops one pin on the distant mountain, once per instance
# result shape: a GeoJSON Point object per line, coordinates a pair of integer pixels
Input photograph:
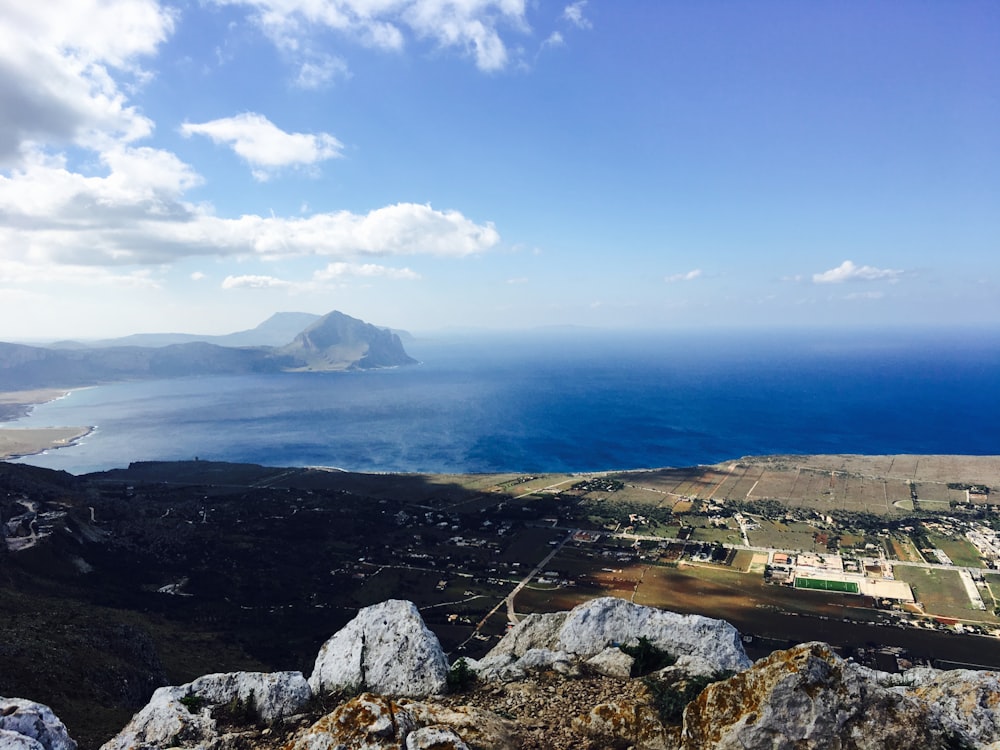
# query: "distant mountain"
{"type": "Point", "coordinates": [277, 330]}
{"type": "Point", "coordinates": [332, 342]}
{"type": "Point", "coordinates": [340, 342]}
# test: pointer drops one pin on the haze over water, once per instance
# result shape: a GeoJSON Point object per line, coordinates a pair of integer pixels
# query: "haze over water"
{"type": "Point", "coordinates": [563, 401]}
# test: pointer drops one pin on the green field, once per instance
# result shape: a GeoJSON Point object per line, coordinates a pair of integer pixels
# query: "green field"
{"type": "Point", "coordinates": [821, 584]}
{"type": "Point", "coordinates": [941, 592]}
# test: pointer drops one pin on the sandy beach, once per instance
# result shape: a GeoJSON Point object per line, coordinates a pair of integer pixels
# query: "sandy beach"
{"type": "Point", "coordinates": [16, 442]}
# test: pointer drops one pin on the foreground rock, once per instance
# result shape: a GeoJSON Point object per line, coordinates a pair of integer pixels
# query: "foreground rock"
{"type": "Point", "coordinates": [31, 726]}
{"type": "Point", "coordinates": [385, 649]}
{"type": "Point", "coordinates": [190, 714]}
{"type": "Point", "coordinates": [556, 682]}
{"type": "Point", "coordinates": [375, 722]}
{"type": "Point", "coordinates": [593, 631]}
{"type": "Point", "coordinates": [808, 696]}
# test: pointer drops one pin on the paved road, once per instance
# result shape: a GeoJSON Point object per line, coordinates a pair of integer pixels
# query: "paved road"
{"type": "Point", "coordinates": [511, 616]}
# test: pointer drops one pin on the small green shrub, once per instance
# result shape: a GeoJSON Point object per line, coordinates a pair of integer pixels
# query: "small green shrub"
{"type": "Point", "coordinates": [670, 698]}
{"type": "Point", "coordinates": [461, 677]}
{"type": "Point", "coordinates": [647, 657]}
{"type": "Point", "coordinates": [238, 711]}
{"type": "Point", "coordinates": [192, 702]}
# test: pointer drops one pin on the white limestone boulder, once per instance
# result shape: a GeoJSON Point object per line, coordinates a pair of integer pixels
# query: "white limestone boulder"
{"type": "Point", "coordinates": [273, 694]}
{"type": "Point", "coordinates": [534, 631]}
{"type": "Point", "coordinates": [17, 741]}
{"type": "Point", "coordinates": [385, 649]}
{"type": "Point", "coordinates": [434, 738]}
{"type": "Point", "coordinates": [166, 721]}
{"type": "Point", "coordinates": [595, 626]}
{"type": "Point", "coordinates": [612, 662]}
{"type": "Point", "coordinates": [23, 722]}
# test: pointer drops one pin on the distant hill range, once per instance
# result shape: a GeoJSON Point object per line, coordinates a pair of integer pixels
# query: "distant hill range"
{"type": "Point", "coordinates": [285, 341]}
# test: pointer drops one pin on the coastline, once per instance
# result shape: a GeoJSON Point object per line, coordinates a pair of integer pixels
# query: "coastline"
{"type": "Point", "coordinates": [17, 442]}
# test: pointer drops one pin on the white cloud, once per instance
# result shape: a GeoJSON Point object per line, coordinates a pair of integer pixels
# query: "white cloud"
{"type": "Point", "coordinates": [555, 39]}
{"type": "Point", "coordinates": [57, 60]}
{"type": "Point", "coordinates": [321, 71]}
{"type": "Point", "coordinates": [265, 146]}
{"type": "Point", "coordinates": [256, 282]}
{"type": "Point", "coordinates": [198, 276]}
{"type": "Point", "coordinates": [49, 214]}
{"type": "Point", "coordinates": [574, 14]}
{"type": "Point", "coordinates": [848, 271]}
{"type": "Point", "coordinates": [519, 280]}
{"type": "Point", "coordinates": [688, 276]}
{"type": "Point", "coordinates": [471, 26]}
{"type": "Point", "coordinates": [137, 214]}
{"type": "Point", "coordinates": [65, 69]}
{"type": "Point", "coordinates": [341, 270]}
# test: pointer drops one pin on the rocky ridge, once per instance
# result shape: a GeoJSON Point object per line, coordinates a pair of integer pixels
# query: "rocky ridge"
{"type": "Point", "coordinates": [554, 681]}
{"type": "Point", "coordinates": [334, 341]}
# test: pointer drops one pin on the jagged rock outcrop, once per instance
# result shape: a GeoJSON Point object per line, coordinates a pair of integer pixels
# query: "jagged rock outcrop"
{"type": "Point", "coordinates": [32, 726]}
{"type": "Point", "coordinates": [386, 649]}
{"type": "Point", "coordinates": [479, 728]}
{"type": "Point", "coordinates": [964, 701]}
{"type": "Point", "coordinates": [590, 628]}
{"type": "Point", "coordinates": [187, 715]}
{"type": "Point", "coordinates": [376, 722]}
{"type": "Point", "coordinates": [367, 722]}
{"type": "Point", "coordinates": [808, 696]}
{"type": "Point", "coordinates": [805, 697]}
{"type": "Point", "coordinates": [631, 721]}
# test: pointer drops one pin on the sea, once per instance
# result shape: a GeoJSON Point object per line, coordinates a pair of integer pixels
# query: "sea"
{"type": "Point", "coordinates": [563, 400]}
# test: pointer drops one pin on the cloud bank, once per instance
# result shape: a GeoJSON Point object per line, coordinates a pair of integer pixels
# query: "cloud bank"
{"type": "Point", "coordinates": [471, 27]}
{"type": "Point", "coordinates": [848, 271]}
{"type": "Point", "coordinates": [83, 203]}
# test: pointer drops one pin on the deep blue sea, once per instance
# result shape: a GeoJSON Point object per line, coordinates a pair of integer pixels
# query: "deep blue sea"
{"type": "Point", "coordinates": [564, 400]}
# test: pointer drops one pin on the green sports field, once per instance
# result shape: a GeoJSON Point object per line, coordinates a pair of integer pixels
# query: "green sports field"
{"type": "Point", "coordinates": [847, 587]}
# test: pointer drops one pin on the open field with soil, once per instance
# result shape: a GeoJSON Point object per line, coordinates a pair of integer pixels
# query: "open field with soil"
{"type": "Point", "coordinates": [942, 593]}
{"type": "Point", "coordinates": [873, 484]}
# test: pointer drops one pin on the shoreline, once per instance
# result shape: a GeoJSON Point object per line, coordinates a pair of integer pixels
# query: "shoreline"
{"type": "Point", "coordinates": [19, 442]}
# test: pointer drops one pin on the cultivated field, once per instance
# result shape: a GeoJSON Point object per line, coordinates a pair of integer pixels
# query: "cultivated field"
{"type": "Point", "coordinates": [873, 484]}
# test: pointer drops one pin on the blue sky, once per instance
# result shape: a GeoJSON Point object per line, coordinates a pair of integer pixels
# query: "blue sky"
{"type": "Point", "coordinates": [197, 166]}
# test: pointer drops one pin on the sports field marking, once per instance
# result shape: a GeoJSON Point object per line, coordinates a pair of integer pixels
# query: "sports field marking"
{"type": "Point", "coordinates": [822, 584]}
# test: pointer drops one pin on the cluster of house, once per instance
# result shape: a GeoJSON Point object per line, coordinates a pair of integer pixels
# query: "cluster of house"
{"type": "Point", "coordinates": [987, 543]}
{"type": "Point", "coordinates": [869, 576]}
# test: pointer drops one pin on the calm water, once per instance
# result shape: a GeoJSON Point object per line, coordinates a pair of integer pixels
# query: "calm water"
{"type": "Point", "coordinates": [566, 401]}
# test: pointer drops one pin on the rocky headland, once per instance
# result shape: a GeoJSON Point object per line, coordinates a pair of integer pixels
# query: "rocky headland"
{"type": "Point", "coordinates": [607, 674]}
{"type": "Point", "coordinates": [334, 341]}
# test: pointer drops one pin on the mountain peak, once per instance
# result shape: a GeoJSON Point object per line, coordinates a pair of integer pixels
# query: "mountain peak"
{"type": "Point", "coordinates": [339, 342]}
